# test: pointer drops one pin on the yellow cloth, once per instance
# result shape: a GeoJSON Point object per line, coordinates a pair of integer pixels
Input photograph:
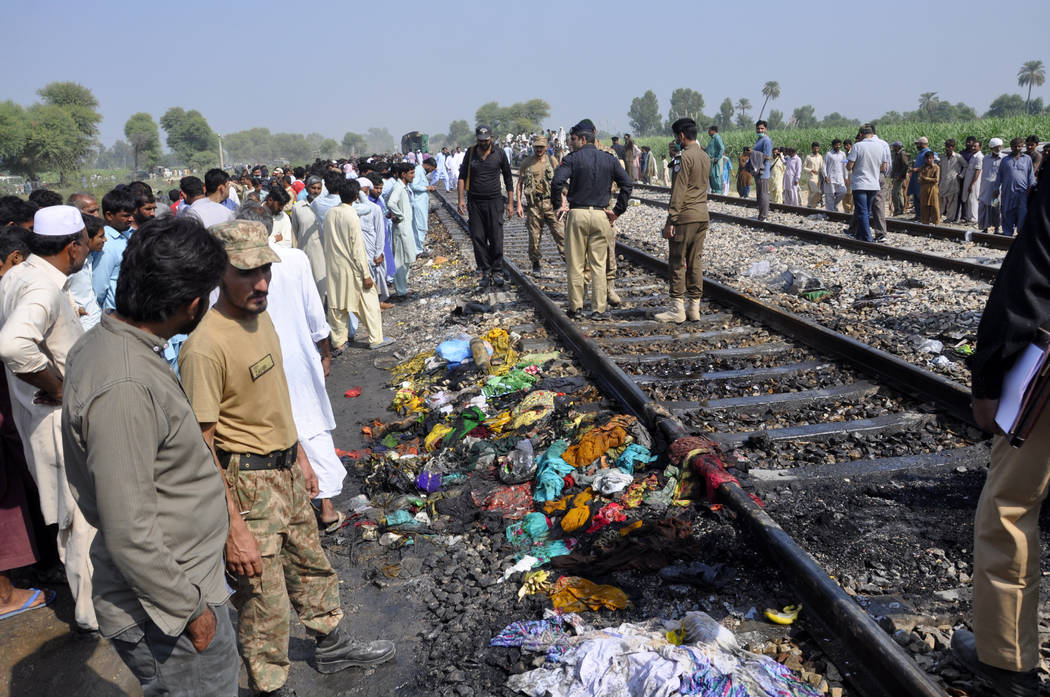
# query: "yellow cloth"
{"type": "Point", "coordinates": [575, 594]}
{"type": "Point", "coordinates": [575, 518]}
{"type": "Point", "coordinates": [503, 356]}
{"type": "Point", "coordinates": [436, 434]}
{"type": "Point", "coordinates": [597, 441]}
{"type": "Point", "coordinates": [534, 407]}
{"type": "Point", "coordinates": [233, 373]}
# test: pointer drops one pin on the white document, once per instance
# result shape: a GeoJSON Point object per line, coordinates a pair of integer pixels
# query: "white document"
{"type": "Point", "coordinates": [1015, 383]}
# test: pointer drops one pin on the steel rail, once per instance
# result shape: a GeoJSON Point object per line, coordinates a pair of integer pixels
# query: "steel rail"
{"type": "Point", "coordinates": [883, 667]}
{"type": "Point", "coordinates": [907, 227]}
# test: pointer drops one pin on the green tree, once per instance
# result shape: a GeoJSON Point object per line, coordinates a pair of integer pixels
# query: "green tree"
{"type": "Point", "coordinates": [1031, 73]}
{"type": "Point", "coordinates": [78, 100]}
{"type": "Point", "coordinates": [837, 120]}
{"type": "Point", "coordinates": [329, 148]}
{"type": "Point", "coordinates": [118, 156]}
{"type": "Point", "coordinates": [14, 131]}
{"type": "Point", "coordinates": [354, 143]}
{"type": "Point", "coordinates": [928, 102]}
{"type": "Point", "coordinates": [724, 119]}
{"type": "Point", "coordinates": [250, 146]}
{"type": "Point", "coordinates": [54, 142]}
{"type": "Point", "coordinates": [520, 117]}
{"type": "Point", "coordinates": [380, 140]}
{"type": "Point", "coordinates": [645, 114]}
{"type": "Point", "coordinates": [776, 119]}
{"type": "Point", "coordinates": [771, 92]}
{"type": "Point", "coordinates": [190, 137]}
{"type": "Point", "coordinates": [685, 103]}
{"type": "Point", "coordinates": [804, 116]}
{"type": "Point", "coordinates": [743, 106]}
{"type": "Point", "coordinates": [144, 137]}
{"type": "Point", "coordinates": [1006, 105]}
{"type": "Point", "coordinates": [460, 133]}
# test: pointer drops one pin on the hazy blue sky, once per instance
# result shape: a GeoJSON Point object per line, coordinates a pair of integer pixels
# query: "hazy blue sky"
{"type": "Point", "coordinates": [333, 67]}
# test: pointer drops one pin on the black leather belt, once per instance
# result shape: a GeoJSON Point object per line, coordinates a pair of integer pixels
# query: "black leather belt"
{"type": "Point", "coordinates": [277, 460]}
{"type": "Point", "coordinates": [586, 208]}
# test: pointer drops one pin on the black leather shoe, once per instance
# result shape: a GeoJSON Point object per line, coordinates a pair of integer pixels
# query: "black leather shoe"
{"type": "Point", "coordinates": [484, 281]}
{"type": "Point", "coordinates": [574, 314]}
{"type": "Point", "coordinates": [282, 691]}
{"type": "Point", "coordinates": [1005, 683]}
{"type": "Point", "coordinates": [498, 279]}
{"type": "Point", "coordinates": [600, 316]}
{"type": "Point", "coordinates": [338, 651]}
{"type": "Point", "coordinates": [535, 267]}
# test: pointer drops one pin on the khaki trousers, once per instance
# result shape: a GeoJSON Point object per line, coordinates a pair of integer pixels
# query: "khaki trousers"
{"type": "Point", "coordinates": [685, 259]}
{"type": "Point", "coordinates": [587, 234]}
{"type": "Point", "coordinates": [1006, 551]}
{"type": "Point", "coordinates": [367, 311]}
{"type": "Point", "coordinates": [536, 216]}
{"type": "Point", "coordinates": [813, 200]}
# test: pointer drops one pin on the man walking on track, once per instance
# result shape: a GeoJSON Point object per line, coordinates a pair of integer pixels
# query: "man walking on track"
{"type": "Point", "coordinates": [479, 179]}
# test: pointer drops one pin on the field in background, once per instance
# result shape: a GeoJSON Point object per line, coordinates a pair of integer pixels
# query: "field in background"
{"type": "Point", "coordinates": [800, 138]}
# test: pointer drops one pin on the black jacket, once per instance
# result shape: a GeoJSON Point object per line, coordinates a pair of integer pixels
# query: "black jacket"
{"type": "Point", "coordinates": [591, 173]}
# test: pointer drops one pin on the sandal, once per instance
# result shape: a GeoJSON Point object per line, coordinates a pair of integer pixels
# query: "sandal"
{"type": "Point", "coordinates": [338, 524]}
{"type": "Point", "coordinates": [49, 596]}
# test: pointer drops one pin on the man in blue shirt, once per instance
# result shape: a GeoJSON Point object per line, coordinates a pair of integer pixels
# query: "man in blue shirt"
{"type": "Point", "coordinates": [1016, 180]}
{"type": "Point", "coordinates": [118, 209]}
{"type": "Point", "coordinates": [761, 156]}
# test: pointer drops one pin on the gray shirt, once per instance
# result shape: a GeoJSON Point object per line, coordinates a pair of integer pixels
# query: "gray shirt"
{"type": "Point", "coordinates": [209, 212]}
{"type": "Point", "coordinates": [867, 157]}
{"type": "Point", "coordinates": [142, 474]}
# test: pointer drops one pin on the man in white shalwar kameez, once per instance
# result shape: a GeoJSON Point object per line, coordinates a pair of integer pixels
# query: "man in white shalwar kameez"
{"type": "Point", "coordinates": [307, 231]}
{"type": "Point", "coordinates": [373, 229]}
{"type": "Point", "coordinates": [298, 316]}
{"type": "Point", "coordinates": [351, 290]}
{"type": "Point", "coordinates": [400, 206]}
{"type": "Point", "coordinates": [38, 326]}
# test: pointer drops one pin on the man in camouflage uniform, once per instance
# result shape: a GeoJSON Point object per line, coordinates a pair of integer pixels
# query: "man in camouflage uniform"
{"type": "Point", "coordinates": [232, 372]}
{"type": "Point", "coordinates": [534, 191]}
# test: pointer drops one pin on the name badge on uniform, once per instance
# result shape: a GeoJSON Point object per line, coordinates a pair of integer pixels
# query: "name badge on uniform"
{"type": "Point", "coordinates": [261, 367]}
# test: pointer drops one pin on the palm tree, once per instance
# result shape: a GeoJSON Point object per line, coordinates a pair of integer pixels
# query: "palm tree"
{"type": "Point", "coordinates": [743, 106]}
{"type": "Point", "coordinates": [771, 90]}
{"type": "Point", "coordinates": [927, 102]}
{"type": "Point", "coordinates": [1031, 73]}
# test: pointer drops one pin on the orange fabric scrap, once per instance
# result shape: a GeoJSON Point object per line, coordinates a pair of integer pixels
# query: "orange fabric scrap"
{"type": "Point", "coordinates": [575, 594]}
{"type": "Point", "coordinates": [598, 441]}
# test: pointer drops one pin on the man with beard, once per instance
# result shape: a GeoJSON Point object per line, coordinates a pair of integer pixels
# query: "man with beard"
{"type": "Point", "coordinates": [479, 182]}
{"type": "Point", "coordinates": [233, 373]}
{"type": "Point", "coordinates": [159, 587]}
{"type": "Point", "coordinates": [38, 327]}
{"type": "Point", "coordinates": [307, 231]}
{"type": "Point", "coordinates": [118, 210]}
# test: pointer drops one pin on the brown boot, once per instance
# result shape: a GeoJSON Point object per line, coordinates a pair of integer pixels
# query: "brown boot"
{"type": "Point", "coordinates": [676, 314]}
{"type": "Point", "coordinates": [611, 295]}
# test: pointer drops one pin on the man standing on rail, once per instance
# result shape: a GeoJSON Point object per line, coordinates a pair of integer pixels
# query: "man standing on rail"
{"type": "Point", "coordinates": [833, 169]}
{"type": "Point", "coordinates": [715, 148]}
{"type": "Point", "coordinates": [953, 169]}
{"type": "Point", "coordinates": [761, 157]}
{"type": "Point", "coordinates": [533, 190]}
{"type": "Point", "coordinates": [479, 178]}
{"type": "Point", "coordinates": [971, 181]}
{"type": "Point", "coordinates": [590, 173]}
{"type": "Point", "coordinates": [811, 170]}
{"type": "Point", "coordinates": [899, 171]}
{"type": "Point", "coordinates": [868, 161]}
{"type": "Point", "coordinates": [1004, 645]}
{"type": "Point", "coordinates": [686, 226]}
{"type": "Point", "coordinates": [1016, 181]}
{"type": "Point", "coordinates": [987, 213]}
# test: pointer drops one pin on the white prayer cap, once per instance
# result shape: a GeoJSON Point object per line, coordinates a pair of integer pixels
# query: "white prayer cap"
{"type": "Point", "coordinates": [58, 221]}
{"type": "Point", "coordinates": [995, 142]}
{"type": "Point", "coordinates": [365, 182]}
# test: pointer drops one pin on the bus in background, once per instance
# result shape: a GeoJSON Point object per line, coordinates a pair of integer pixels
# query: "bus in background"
{"type": "Point", "coordinates": [413, 141]}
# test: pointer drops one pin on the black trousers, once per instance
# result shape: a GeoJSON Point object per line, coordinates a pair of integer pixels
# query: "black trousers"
{"type": "Point", "coordinates": [486, 233]}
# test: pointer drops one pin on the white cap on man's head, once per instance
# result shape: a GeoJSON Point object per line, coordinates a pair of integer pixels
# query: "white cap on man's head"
{"type": "Point", "coordinates": [995, 142]}
{"type": "Point", "coordinates": [365, 182]}
{"type": "Point", "coordinates": [58, 221]}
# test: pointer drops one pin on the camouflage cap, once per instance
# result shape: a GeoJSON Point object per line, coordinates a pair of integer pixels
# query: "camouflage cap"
{"type": "Point", "coordinates": [540, 140]}
{"type": "Point", "coordinates": [247, 243]}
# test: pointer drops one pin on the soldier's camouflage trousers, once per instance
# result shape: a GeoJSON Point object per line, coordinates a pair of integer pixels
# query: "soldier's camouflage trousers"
{"type": "Point", "coordinates": [536, 216]}
{"type": "Point", "coordinates": [294, 568]}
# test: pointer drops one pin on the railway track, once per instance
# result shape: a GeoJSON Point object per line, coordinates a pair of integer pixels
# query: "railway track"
{"type": "Point", "coordinates": [817, 404]}
{"type": "Point", "coordinates": [897, 225]}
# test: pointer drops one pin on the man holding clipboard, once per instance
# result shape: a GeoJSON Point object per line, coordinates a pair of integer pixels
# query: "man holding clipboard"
{"type": "Point", "coordinates": [1003, 649]}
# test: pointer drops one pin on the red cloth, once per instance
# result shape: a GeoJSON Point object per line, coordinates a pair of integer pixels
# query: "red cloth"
{"type": "Point", "coordinates": [298, 186]}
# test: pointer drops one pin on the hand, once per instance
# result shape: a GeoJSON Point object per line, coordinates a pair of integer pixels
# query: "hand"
{"type": "Point", "coordinates": [612, 216]}
{"type": "Point", "coordinates": [369, 284]}
{"type": "Point", "coordinates": [510, 210]}
{"type": "Point", "coordinates": [669, 231]}
{"type": "Point", "coordinates": [202, 630]}
{"type": "Point", "coordinates": [309, 478]}
{"type": "Point", "coordinates": [278, 237]}
{"type": "Point", "coordinates": [560, 213]}
{"type": "Point", "coordinates": [984, 414]}
{"type": "Point", "coordinates": [521, 211]}
{"type": "Point", "coordinates": [326, 365]}
{"type": "Point", "coordinates": [81, 311]}
{"type": "Point", "coordinates": [242, 551]}
{"type": "Point", "coordinates": [431, 188]}
{"type": "Point", "coordinates": [462, 208]}
{"type": "Point", "coordinates": [43, 397]}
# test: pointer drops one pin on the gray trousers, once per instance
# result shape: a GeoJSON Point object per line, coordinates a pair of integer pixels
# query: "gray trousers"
{"type": "Point", "coordinates": [762, 192]}
{"type": "Point", "coordinates": [171, 667]}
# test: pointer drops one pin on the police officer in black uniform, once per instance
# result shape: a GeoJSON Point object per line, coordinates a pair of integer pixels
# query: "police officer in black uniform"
{"type": "Point", "coordinates": [590, 173]}
{"type": "Point", "coordinates": [479, 179]}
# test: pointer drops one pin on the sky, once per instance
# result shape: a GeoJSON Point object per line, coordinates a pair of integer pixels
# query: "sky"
{"type": "Point", "coordinates": [333, 67]}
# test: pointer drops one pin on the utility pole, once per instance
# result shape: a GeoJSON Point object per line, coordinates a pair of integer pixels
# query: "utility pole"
{"type": "Point", "coordinates": [221, 165]}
